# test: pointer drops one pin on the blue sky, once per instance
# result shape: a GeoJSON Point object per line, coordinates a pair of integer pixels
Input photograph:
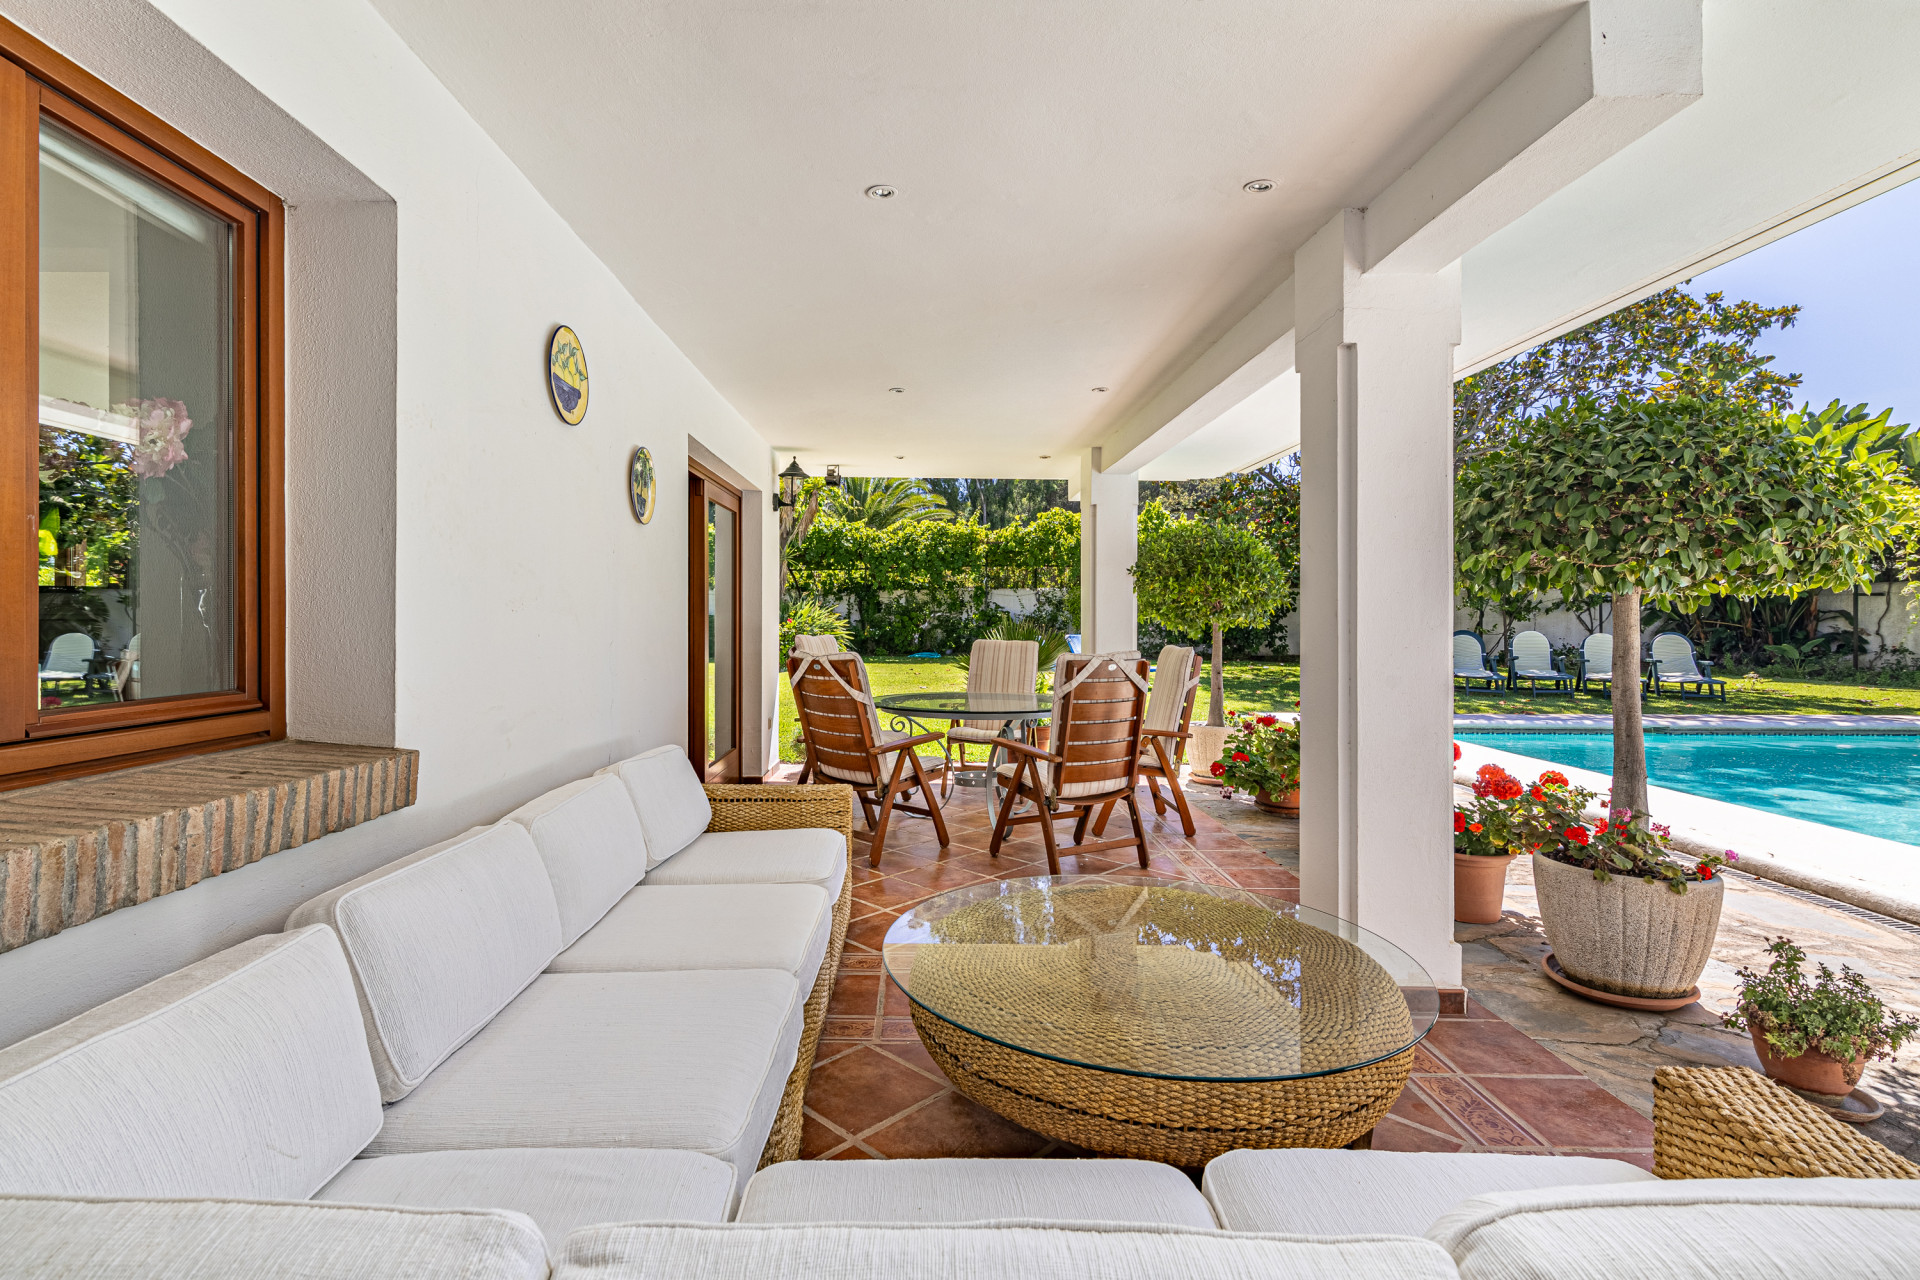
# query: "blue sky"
{"type": "Point", "coordinates": [1856, 277]}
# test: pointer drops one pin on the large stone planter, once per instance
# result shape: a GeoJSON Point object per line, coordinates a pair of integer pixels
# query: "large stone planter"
{"type": "Point", "coordinates": [1209, 740]}
{"type": "Point", "coordinates": [1627, 936]}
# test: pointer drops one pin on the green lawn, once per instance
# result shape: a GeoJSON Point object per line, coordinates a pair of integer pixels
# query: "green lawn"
{"type": "Point", "coordinates": [1268, 686]}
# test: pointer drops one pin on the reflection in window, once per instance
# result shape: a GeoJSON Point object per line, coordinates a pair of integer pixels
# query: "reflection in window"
{"type": "Point", "coordinates": [136, 434]}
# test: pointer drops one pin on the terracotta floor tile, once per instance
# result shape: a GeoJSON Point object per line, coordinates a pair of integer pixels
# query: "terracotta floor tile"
{"type": "Point", "coordinates": [951, 1125]}
{"type": "Point", "coordinates": [1424, 1063]}
{"type": "Point", "coordinates": [1572, 1113]}
{"type": "Point", "coordinates": [855, 995]}
{"type": "Point", "coordinates": [1217, 839]}
{"type": "Point", "coordinates": [895, 893]}
{"type": "Point", "coordinates": [862, 963]}
{"type": "Point", "coordinates": [870, 930]}
{"type": "Point", "coordinates": [1254, 878]}
{"type": "Point", "coordinates": [847, 1028]}
{"type": "Point", "coordinates": [850, 1152]}
{"type": "Point", "coordinates": [1391, 1134]}
{"type": "Point", "coordinates": [935, 879]}
{"type": "Point", "coordinates": [914, 1055]}
{"type": "Point", "coordinates": [898, 1029]}
{"type": "Point", "coordinates": [1473, 1113]}
{"type": "Point", "coordinates": [816, 1138]}
{"type": "Point", "coordinates": [864, 1088]}
{"type": "Point", "coordinates": [1232, 859]}
{"type": "Point", "coordinates": [1477, 1010]}
{"type": "Point", "coordinates": [1486, 1048]}
{"type": "Point", "coordinates": [897, 1005]}
{"type": "Point", "coordinates": [1414, 1107]}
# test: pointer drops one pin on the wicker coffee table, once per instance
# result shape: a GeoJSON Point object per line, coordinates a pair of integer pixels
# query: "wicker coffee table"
{"type": "Point", "coordinates": [1161, 1019]}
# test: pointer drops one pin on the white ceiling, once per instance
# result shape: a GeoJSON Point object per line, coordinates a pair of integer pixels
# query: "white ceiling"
{"type": "Point", "coordinates": [1070, 212]}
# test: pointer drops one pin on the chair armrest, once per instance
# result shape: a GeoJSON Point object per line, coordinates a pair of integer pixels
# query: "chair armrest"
{"type": "Point", "coordinates": [910, 742]}
{"type": "Point", "coordinates": [1706, 669]}
{"type": "Point", "coordinates": [1166, 733]}
{"type": "Point", "coordinates": [1733, 1122]}
{"type": "Point", "coordinates": [749, 807]}
{"type": "Point", "coordinates": [1027, 749]}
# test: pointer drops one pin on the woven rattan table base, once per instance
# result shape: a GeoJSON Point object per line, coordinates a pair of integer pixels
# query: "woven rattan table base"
{"type": "Point", "coordinates": [1183, 1122]}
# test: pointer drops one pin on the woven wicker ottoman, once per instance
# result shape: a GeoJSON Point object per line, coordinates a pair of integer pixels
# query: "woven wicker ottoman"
{"type": "Point", "coordinates": [1160, 1019]}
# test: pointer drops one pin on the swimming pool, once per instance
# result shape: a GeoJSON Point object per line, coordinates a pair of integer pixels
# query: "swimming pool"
{"type": "Point", "coordinates": [1865, 783]}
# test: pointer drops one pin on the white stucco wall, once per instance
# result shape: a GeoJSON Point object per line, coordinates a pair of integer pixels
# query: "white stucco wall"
{"type": "Point", "coordinates": [531, 631]}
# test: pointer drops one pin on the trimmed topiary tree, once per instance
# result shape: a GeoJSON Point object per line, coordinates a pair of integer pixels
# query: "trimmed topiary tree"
{"type": "Point", "coordinates": [1672, 501]}
{"type": "Point", "coordinates": [1198, 577]}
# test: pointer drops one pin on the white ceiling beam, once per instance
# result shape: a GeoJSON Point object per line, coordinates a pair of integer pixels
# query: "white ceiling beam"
{"type": "Point", "coordinates": [1247, 357]}
{"type": "Point", "coordinates": [1610, 74]}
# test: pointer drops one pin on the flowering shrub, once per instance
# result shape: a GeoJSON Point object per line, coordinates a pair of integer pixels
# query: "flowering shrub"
{"type": "Point", "coordinates": [1836, 1014]}
{"type": "Point", "coordinates": [1262, 753]}
{"type": "Point", "coordinates": [1549, 818]}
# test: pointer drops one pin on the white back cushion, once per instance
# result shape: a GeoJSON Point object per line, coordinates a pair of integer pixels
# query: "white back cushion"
{"type": "Point", "coordinates": [245, 1074]}
{"type": "Point", "coordinates": [77, 1239]}
{"type": "Point", "coordinates": [667, 793]}
{"type": "Point", "coordinates": [590, 837]}
{"type": "Point", "coordinates": [1689, 1229]}
{"type": "Point", "coordinates": [439, 943]}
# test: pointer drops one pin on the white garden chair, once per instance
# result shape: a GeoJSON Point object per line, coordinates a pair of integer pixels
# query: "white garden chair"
{"type": "Point", "coordinates": [1530, 658]}
{"type": "Point", "coordinates": [1672, 663]}
{"type": "Point", "coordinates": [68, 658]}
{"type": "Point", "coordinates": [1596, 664]}
{"type": "Point", "coordinates": [1470, 661]}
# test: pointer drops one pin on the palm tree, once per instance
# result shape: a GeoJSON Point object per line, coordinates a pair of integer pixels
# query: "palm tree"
{"type": "Point", "coordinates": [879, 503]}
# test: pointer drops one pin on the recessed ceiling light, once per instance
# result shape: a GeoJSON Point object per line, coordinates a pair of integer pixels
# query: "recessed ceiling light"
{"type": "Point", "coordinates": [899, 391]}
{"type": "Point", "coordinates": [881, 191]}
{"type": "Point", "coordinates": [899, 457]}
{"type": "Point", "coordinates": [1045, 456]}
{"type": "Point", "coordinates": [1257, 186]}
{"type": "Point", "coordinates": [1099, 388]}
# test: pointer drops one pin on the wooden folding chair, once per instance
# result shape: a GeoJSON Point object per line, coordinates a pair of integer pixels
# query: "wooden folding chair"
{"type": "Point", "coordinates": [1099, 705]}
{"type": "Point", "coordinates": [1169, 723]}
{"type": "Point", "coordinates": [804, 645]}
{"type": "Point", "coordinates": [844, 744]}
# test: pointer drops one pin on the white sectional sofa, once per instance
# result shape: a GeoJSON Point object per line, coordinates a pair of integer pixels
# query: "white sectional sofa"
{"type": "Point", "coordinates": [563, 1044]}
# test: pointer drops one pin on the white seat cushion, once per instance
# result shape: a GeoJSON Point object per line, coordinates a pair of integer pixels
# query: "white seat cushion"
{"type": "Point", "coordinates": [1073, 791]}
{"type": "Point", "coordinates": [560, 1189]}
{"type": "Point", "coordinates": [245, 1074]}
{"type": "Point", "coordinates": [1336, 1193]}
{"type": "Point", "coordinates": [101, 1239]}
{"type": "Point", "coordinates": [1689, 1229]}
{"type": "Point", "coordinates": [803, 855]}
{"type": "Point", "coordinates": [1136, 1192]}
{"type": "Point", "coordinates": [687, 1061]}
{"type": "Point", "coordinates": [967, 733]}
{"type": "Point", "coordinates": [439, 943]}
{"type": "Point", "coordinates": [591, 841]}
{"type": "Point", "coordinates": [1057, 1251]}
{"type": "Point", "coordinates": [667, 794]}
{"type": "Point", "coordinates": [709, 926]}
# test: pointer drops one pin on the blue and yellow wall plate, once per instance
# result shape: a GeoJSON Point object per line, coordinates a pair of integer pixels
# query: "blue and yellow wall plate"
{"type": "Point", "coordinates": [640, 485]}
{"type": "Point", "coordinates": [567, 375]}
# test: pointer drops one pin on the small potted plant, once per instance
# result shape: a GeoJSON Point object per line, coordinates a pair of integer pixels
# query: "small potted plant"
{"type": "Point", "coordinates": [1481, 854]}
{"type": "Point", "coordinates": [1262, 756]}
{"type": "Point", "coordinates": [1819, 1035]}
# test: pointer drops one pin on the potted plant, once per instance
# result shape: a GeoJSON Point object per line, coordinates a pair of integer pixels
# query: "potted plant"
{"type": "Point", "coordinates": [1262, 756]}
{"type": "Point", "coordinates": [1819, 1035]}
{"type": "Point", "coordinates": [1626, 914]}
{"type": "Point", "coordinates": [1480, 852]}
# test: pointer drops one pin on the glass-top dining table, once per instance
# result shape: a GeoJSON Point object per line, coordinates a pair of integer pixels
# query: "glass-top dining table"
{"type": "Point", "coordinates": [925, 711]}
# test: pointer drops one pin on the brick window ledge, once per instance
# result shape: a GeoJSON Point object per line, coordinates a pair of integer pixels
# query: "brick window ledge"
{"type": "Point", "coordinates": [72, 851]}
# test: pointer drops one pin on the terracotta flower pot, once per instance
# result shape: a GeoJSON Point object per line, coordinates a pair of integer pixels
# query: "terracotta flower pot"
{"type": "Point", "coordinates": [1627, 936]}
{"type": "Point", "coordinates": [1288, 804]}
{"type": "Point", "coordinates": [1209, 740]}
{"type": "Point", "coordinates": [1479, 887]}
{"type": "Point", "coordinates": [1813, 1071]}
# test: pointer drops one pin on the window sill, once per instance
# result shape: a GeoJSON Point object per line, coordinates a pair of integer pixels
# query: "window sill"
{"type": "Point", "coordinates": [72, 851]}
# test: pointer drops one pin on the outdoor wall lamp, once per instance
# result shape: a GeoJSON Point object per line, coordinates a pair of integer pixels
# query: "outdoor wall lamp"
{"type": "Point", "coordinates": [789, 482]}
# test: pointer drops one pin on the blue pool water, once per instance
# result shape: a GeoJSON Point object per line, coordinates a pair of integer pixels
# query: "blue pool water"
{"type": "Point", "coordinates": [1869, 784]}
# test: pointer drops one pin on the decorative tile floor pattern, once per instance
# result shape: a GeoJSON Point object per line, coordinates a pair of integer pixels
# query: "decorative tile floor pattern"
{"type": "Point", "coordinates": [1478, 1084]}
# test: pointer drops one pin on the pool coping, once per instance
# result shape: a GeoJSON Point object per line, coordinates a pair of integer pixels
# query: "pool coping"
{"type": "Point", "coordinates": [1811, 724]}
{"type": "Point", "coordinates": [1866, 871]}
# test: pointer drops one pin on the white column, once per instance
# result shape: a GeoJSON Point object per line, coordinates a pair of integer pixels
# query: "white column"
{"type": "Point", "coordinates": [1109, 540]}
{"type": "Point", "coordinates": [1375, 353]}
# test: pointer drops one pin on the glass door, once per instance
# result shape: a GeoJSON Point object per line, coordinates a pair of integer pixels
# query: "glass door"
{"type": "Point", "coordinates": [713, 616]}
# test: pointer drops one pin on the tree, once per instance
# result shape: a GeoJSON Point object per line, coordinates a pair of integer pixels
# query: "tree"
{"type": "Point", "coordinates": [879, 503]}
{"type": "Point", "coordinates": [999, 503]}
{"type": "Point", "coordinates": [1671, 344]}
{"type": "Point", "coordinates": [1672, 501]}
{"type": "Point", "coordinates": [1196, 576]}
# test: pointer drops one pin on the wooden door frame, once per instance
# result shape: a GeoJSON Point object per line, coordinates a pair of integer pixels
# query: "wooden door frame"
{"type": "Point", "coordinates": [703, 486]}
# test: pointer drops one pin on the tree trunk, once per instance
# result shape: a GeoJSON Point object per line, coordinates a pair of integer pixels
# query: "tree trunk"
{"type": "Point", "coordinates": [1217, 699]}
{"type": "Point", "coordinates": [1629, 738]}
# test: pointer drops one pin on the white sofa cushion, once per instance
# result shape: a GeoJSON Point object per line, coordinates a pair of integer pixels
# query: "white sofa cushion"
{"type": "Point", "coordinates": [1137, 1192]}
{"type": "Point", "coordinates": [439, 943]}
{"type": "Point", "coordinates": [709, 926]}
{"type": "Point", "coordinates": [1045, 1251]}
{"type": "Point", "coordinates": [801, 855]}
{"type": "Point", "coordinates": [689, 1061]}
{"type": "Point", "coordinates": [590, 838]}
{"type": "Point", "coordinates": [102, 1239]}
{"type": "Point", "coordinates": [667, 794]}
{"type": "Point", "coordinates": [1689, 1229]}
{"type": "Point", "coordinates": [559, 1188]}
{"type": "Point", "coordinates": [1301, 1191]}
{"type": "Point", "coordinates": [245, 1074]}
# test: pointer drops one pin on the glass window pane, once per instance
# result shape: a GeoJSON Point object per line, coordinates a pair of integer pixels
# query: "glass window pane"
{"type": "Point", "coordinates": [721, 534]}
{"type": "Point", "coordinates": [136, 434]}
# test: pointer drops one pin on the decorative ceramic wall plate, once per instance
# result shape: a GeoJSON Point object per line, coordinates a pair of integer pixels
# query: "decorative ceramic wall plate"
{"type": "Point", "coordinates": [567, 375]}
{"type": "Point", "coordinates": [640, 485]}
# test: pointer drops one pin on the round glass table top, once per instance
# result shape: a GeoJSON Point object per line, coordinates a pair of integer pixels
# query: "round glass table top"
{"type": "Point", "coordinates": [961, 704]}
{"type": "Point", "coordinates": [1167, 978]}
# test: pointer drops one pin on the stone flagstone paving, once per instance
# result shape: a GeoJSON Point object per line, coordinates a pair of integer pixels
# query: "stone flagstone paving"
{"type": "Point", "coordinates": [1478, 1084]}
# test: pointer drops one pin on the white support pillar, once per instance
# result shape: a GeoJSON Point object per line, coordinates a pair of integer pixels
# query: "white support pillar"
{"type": "Point", "coordinates": [1375, 354]}
{"type": "Point", "coordinates": [1109, 540]}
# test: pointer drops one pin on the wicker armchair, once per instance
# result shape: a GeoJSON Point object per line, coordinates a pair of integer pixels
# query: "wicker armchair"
{"type": "Point", "coordinates": [1733, 1122]}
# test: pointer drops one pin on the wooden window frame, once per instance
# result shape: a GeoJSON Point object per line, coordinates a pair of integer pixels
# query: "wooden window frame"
{"type": "Point", "coordinates": [35, 82]}
{"type": "Point", "coordinates": [703, 486]}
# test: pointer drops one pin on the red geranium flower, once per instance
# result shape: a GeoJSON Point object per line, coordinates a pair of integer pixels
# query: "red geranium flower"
{"type": "Point", "coordinates": [1456, 753]}
{"type": "Point", "coordinates": [1489, 772]}
{"type": "Point", "coordinates": [1218, 768]}
{"type": "Point", "coordinates": [1552, 778]}
{"type": "Point", "coordinates": [1578, 835]}
{"type": "Point", "coordinates": [1706, 872]}
{"type": "Point", "coordinates": [1269, 721]}
{"type": "Point", "coordinates": [1240, 757]}
{"type": "Point", "coordinates": [1507, 788]}
{"type": "Point", "coordinates": [1600, 827]}
{"type": "Point", "coordinates": [1474, 827]}
{"type": "Point", "coordinates": [1459, 822]}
